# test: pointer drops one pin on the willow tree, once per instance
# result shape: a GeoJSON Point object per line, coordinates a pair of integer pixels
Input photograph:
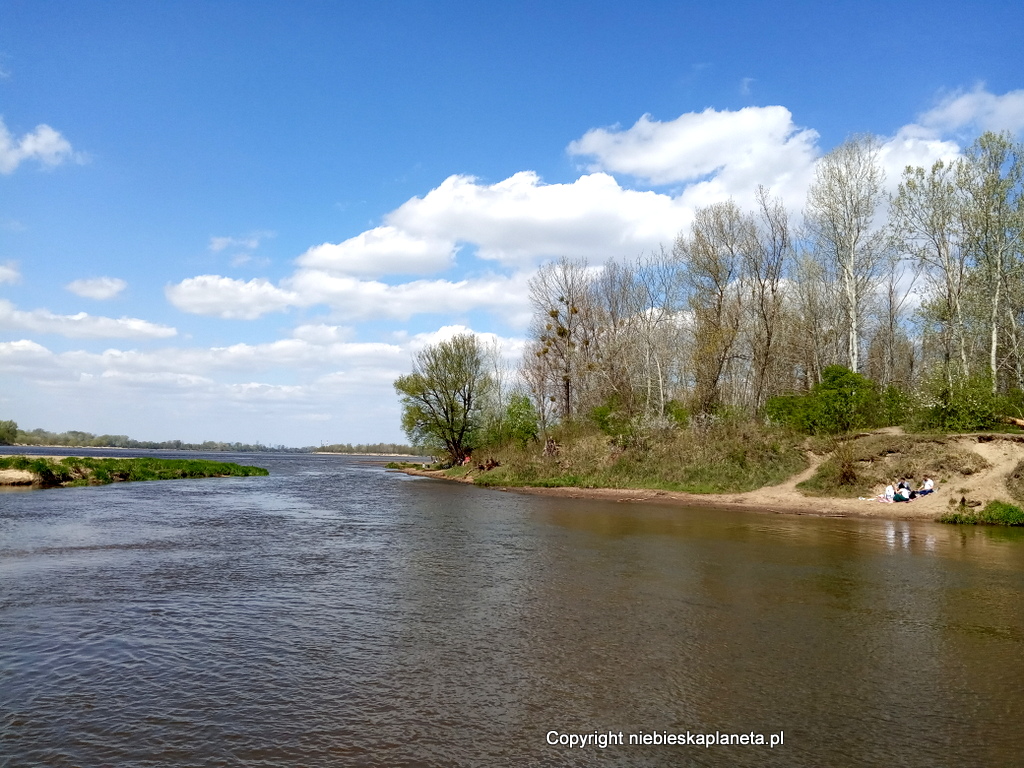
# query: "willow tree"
{"type": "Point", "coordinates": [442, 398]}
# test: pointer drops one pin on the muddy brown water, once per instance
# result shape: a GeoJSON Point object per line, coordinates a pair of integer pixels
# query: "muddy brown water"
{"type": "Point", "coordinates": [337, 614]}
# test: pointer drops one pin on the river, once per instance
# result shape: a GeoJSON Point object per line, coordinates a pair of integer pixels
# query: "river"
{"type": "Point", "coordinates": [335, 613]}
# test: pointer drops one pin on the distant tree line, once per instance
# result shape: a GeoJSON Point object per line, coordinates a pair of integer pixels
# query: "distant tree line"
{"type": "Point", "coordinates": [390, 449]}
{"type": "Point", "coordinates": [908, 307]}
{"type": "Point", "coordinates": [10, 434]}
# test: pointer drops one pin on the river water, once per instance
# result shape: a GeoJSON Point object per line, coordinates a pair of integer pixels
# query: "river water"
{"type": "Point", "coordinates": [338, 614]}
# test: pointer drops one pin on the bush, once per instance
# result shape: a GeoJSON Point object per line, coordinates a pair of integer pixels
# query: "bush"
{"type": "Point", "coordinates": [994, 513]}
{"type": "Point", "coordinates": [841, 402]}
{"type": "Point", "coordinates": [966, 405]}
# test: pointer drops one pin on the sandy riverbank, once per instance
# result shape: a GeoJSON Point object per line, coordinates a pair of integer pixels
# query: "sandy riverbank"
{"type": "Point", "coordinates": [1002, 453]}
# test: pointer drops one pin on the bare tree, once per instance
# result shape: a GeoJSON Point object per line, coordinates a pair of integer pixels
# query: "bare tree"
{"type": "Point", "coordinates": [765, 266]}
{"type": "Point", "coordinates": [713, 256]}
{"type": "Point", "coordinates": [991, 177]}
{"type": "Point", "coordinates": [928, 222]}
{"type": "Point", "coordinates": [840, 217]}
{"type": "Point", "coordinates": [564, 325]}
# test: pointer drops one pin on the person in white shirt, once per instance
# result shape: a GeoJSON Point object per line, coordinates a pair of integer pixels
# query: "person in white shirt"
{"type": "Point", "coordinates": [927, 487]}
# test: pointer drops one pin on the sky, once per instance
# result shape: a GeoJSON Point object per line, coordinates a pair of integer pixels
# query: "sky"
{"type": "Point", "coordinates": [239, 221]}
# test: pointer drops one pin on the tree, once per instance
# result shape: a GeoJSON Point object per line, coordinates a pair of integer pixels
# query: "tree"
{"type": "Point", "coordinates": [713, 255]}
{"type": "Point", "coordinates": [992, 176]}
{"type": "Point", "coordinates": [928, 220]}
{"type": "Point", "coordinates": [442, 397]}
{"type": "Point", "coordinates": [841, 206]}
{"type": "Point", "coordinates": [564, 326]}
{"type": "Point", "coordinates": [8, 432]}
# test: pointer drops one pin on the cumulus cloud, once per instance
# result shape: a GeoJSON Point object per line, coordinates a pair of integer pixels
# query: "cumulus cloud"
{"type": "Point", "coordinates": [9, 273]}
{"type": "Point", "coordinates": [382, 251]}
{"type": "Point", "coordinates": [228, 298]}
{"type": "Point", "coordinates": [977, 109]}
{"type": "Point", "coordinates": [24, 354]}
{"type": "Point", "coordinates": [99, 288]}
{"type": "Point", "coordinates": [754, 144]}
{"type": "Point", "coordinates": [44, 145]}
{"type": "Point", "coordinates": [81, 325]}
{"type": "Point", "coordinates": [521, 220]}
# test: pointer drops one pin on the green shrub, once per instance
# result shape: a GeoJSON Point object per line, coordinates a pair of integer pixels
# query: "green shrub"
{"type": "Point", "coordinates": [994, 513]}
{"type": "Point", "coordinates": [841, 402]}
{"type": "Point", "coordinates": [968, 405]}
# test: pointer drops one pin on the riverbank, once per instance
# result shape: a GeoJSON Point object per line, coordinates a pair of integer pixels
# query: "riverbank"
{"type": "Point", "coordinates": [998, 457]}
{"type": "Point", "coordinates": [23, 470]}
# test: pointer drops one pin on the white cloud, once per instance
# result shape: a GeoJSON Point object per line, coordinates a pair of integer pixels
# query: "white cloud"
{"type": "Point", "coordinates": [99, 288]}
{"type": "Point", "coordinates": [9, 273]}
{"type": "Point", "coordinates": [322, 333]}
{"type": "Point", "coordinates": [363, 299]}
{"type": "Point", "coordinates": [23, 353]}
{"type": "Point", "coordinates": [349, 297]}
{"type": "Point", "coordinates": [286, 354]}
{"type": "Point", "coordinates": [382, 251]}
{"type": "Point", "coordinates": [81, 325]}
{"type": "Point", "coordinates": [977, 109]}
{"type": "Point", "coordinates": [761, 144]}
{"type": "Point", "coordinates": [250, 242]}
{"type": "Point", "coordinates": [44, 144]}
{"type": "Point", "coordinates": [521, 221]}
{"type": "Point", "coordinates": [229, 298]}
{"type": "Point", "coordinates": [914, 146]}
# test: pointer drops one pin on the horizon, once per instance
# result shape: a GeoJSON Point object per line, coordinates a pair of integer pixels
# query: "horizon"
{"type": "Point", "coordinates": [245, 220]}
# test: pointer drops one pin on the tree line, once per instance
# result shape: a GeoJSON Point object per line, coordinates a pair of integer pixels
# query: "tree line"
{"type": "Point", "coordinates": [919, 295]}
{"type": "Point", "coordinates": [10, 434]}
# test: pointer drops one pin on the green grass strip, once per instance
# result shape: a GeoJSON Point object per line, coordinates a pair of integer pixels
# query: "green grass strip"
{"type": "Point", "coordinates": [83, 470]}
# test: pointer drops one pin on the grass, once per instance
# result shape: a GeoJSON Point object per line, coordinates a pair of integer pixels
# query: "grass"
{"type": "Point", "coordinates": [858, 465]}
{"type": "Point", "coordinates": [78, 470]}
{"type": "Point", "coordinates": [729, 457]}
{"type": "Point", "coordinates": [994, 513]}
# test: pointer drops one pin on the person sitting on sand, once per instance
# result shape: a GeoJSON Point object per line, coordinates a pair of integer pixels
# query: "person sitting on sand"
{"type": "Point", "coordinates": [887, 495]}
{"type": "Point", "coordinates": [927, 487]}
{"type": "Point", "coordinates": [903, 493]}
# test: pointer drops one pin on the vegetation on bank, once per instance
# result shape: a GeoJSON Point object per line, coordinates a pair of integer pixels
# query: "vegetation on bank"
{"type": "Point", "coordinates": [77, 470]}
{"type": "Point", "coordinates": [994, 513]}
{"type": "Point", "coordinates": [719, 457]}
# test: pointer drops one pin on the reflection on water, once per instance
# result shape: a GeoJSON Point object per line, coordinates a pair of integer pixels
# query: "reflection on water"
{"type": "Point", "coordinates": [335, 614]}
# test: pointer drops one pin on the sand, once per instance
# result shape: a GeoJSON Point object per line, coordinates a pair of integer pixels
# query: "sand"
{"type": "Point", "coordinates": [1003, 453]}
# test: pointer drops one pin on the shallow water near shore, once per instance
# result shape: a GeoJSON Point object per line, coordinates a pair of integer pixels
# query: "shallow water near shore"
{"type": "Point", "coordinates": [338, 614]}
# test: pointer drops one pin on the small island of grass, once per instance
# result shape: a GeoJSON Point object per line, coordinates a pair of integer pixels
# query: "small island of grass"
{"type": "Point", "coordinates": [81, 470]}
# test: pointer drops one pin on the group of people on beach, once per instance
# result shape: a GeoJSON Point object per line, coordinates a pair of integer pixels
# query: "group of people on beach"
{"type": "Point", "coordinates": [903, 492]}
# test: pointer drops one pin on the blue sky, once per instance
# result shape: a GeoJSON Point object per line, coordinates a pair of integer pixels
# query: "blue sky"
{"type": "Point", "coordinates": [264, 209]}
